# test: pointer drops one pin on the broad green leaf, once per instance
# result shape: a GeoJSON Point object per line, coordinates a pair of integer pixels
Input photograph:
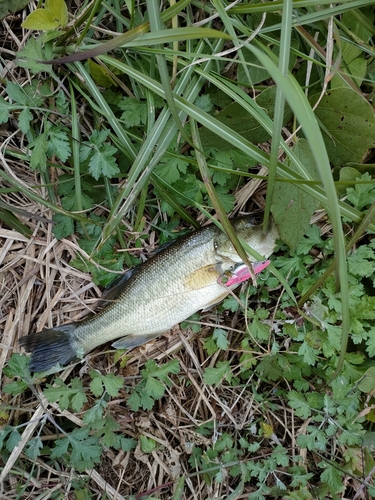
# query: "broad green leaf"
{"type": "Point", "coordinates": [85, 450]}
{"type": "Point", "coordinates": [221, 337]}
{"type": "Point", "coordinates": [62, 103]}
{"type": "Point", "coordinates": [61, 447]}
{"type": "Point", "coordinates": [111, 383]}
{"type": "Point", "coordinates": [147, 444]}
{"type": "Point", "coordinates": [314, 440]}
{"type": "Point", "coordinates": [78, 400]}
{"type": "Point", "coordinates": [215, 375]}
{"type": "Point", "coordinates": [7, 6]}
{"type": "Point", "coordinates": [365, 308]}
{"type": "Point", "coordinates": [58, 10]}
{"type": "Point", "coordinates": [4, 110]}
{"type": "Point", "coordinates": [24, 120]}
{"type": "Point", "coordinates": [204, 103]}
{"type": "Point", "coordinates": [362, 195]}
{"type": "Point", "coordinates": [140, 399]}
{"type": "Point", "coordinates": [311, 239]}
{"type": "Point", "coordinates": [210, 345]}
{"type": "Point", "coordinates": [40, 19]}
{"type": "Point", "coordinates": [154, 388]}
{"type": "Point", "coordinates": [63, 227]}
{"type": "Point", "coordinates": [128, 444]}
{"type": "Point", "coordinates": [259, 330]}
{"type": "Point", "coordinates": [17, 94]}
{"type": "Point", "coordinates": [15, 387]}
{"type": "Point", "coordinates": [239, 120]}
{"type": "Point", "coordinates": [162, 371]}
{"type": "Point", "coordinates": [309, 354]}
{"type": "Point", "coordinates": [135, 112]}
{"type": "Point", "coordinates": [293, 208]}
{"type": "Point", "coordinates": [371, 343]}
{"type": "Point", "coordinates": [38, 159]}
{"type": "Point", "coordinates": [281, 455]}
{"type": "Point", "coordinates": [298, 402]}
{"type": "Point", "coordinates": [171, 168]}
{"type": "Point", "coordinates": [30, 55]}
{"type": "Point", "coordinates": [348, 125]}
{"type": "Point", "coordinates": [333, 477]}
{"type": "Point", "coordinates": [96, 386]}
{"type": "Point", "coordinates": [100, 75]}
{"type": "Point", "coordinates": [13, 439]}
{"type": "Point", "coordinates": [134, 401]}
{"type": "Point", "coordinates": [367, 384]}
{"type": "Point", "coordinates": [33, 448]}
{"type": "Point", "coordinates": [73, 396]}
{"type": "Point", "coordinates": [103, 162]}
{"type": "Point", "coordinates": [362, 262]}
{"type": "Point", "coordinates": [94, 413]}
{"type": "Point", "coordinates": [17, 366]}
{"type": "Point", "coordinates": [58, 144]}
{"type": "Point", "coordinates": [347, 174]}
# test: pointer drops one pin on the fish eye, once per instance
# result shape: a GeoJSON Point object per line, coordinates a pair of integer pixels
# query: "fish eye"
{"type": "Point", "coordinates": [258, 219]}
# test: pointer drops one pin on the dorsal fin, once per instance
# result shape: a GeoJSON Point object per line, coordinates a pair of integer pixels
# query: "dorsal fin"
{"type": "Point", "coordinates": [114, 289]}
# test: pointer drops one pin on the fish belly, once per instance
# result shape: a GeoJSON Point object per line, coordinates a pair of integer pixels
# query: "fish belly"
{"type": "Point", "coordinates": [146, 317]}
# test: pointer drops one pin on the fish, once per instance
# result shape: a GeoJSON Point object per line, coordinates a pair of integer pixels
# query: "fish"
{"type": "Point", "coordinates": [193, 273]}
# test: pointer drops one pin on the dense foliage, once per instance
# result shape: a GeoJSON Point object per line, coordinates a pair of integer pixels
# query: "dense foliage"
{"type": "Point", "coordinates": [154, 118]}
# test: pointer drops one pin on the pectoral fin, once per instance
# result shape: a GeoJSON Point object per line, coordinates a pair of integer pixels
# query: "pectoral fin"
{"type": "Point", "coordinates": [132, 340]}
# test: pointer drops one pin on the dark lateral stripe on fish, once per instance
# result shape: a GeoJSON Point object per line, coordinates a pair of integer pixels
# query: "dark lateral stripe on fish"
{"type": "Point", "coordinates": [50, 347]}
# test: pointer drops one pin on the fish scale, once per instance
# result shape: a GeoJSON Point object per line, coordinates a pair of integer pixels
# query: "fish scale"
{"type": "Point", "coordinates": [178, 281]}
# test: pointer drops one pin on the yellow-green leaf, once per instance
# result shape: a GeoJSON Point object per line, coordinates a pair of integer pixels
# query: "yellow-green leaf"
{"type": "Point", "coordinates": [59, 11]}
{"type": "Point", "coordinates": [148, 445]}
{"type": "Point", "coordinates": [100, 75]}
{"type": "Point", "coordinates": [40, 19]}
{"type": "Point", "coordinates": [267, 429]}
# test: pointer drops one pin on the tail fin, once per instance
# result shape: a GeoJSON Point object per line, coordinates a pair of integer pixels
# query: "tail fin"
{"type": "Point", "coordinates": [50, 347]}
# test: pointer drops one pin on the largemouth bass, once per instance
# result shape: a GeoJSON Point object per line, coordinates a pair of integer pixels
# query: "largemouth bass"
{"type": "Point", "coordinates": [193, 273]}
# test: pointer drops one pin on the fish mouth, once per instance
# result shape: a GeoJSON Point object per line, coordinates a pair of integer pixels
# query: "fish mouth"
{"type": "Point", "coordinates": [241, 273]}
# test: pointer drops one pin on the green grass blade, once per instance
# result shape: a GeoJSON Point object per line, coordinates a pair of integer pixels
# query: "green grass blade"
{"type": "Point", "coordinates": [156, 30]}
{"type": "Point", "coordinates": [8, 217]}
{"type": "Point", "coordinates": [39, 199]}
{"type": "Point", "coordinates": [167, 196]}
{"type": "Point", "coordinates": [235, 139]}
{"type": "Point", "coordinates": [285, 41]}
{"type": "Point", "coordinates": [105, 109]}
{"type": "Point", "coordinates": [301, 107]}
{"type": "Point", "coordinates": [76, 139]}
{"type": "Point", "coordinates": [161, 133]}
{"type": "Point", "coordinates": [216, 202]}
